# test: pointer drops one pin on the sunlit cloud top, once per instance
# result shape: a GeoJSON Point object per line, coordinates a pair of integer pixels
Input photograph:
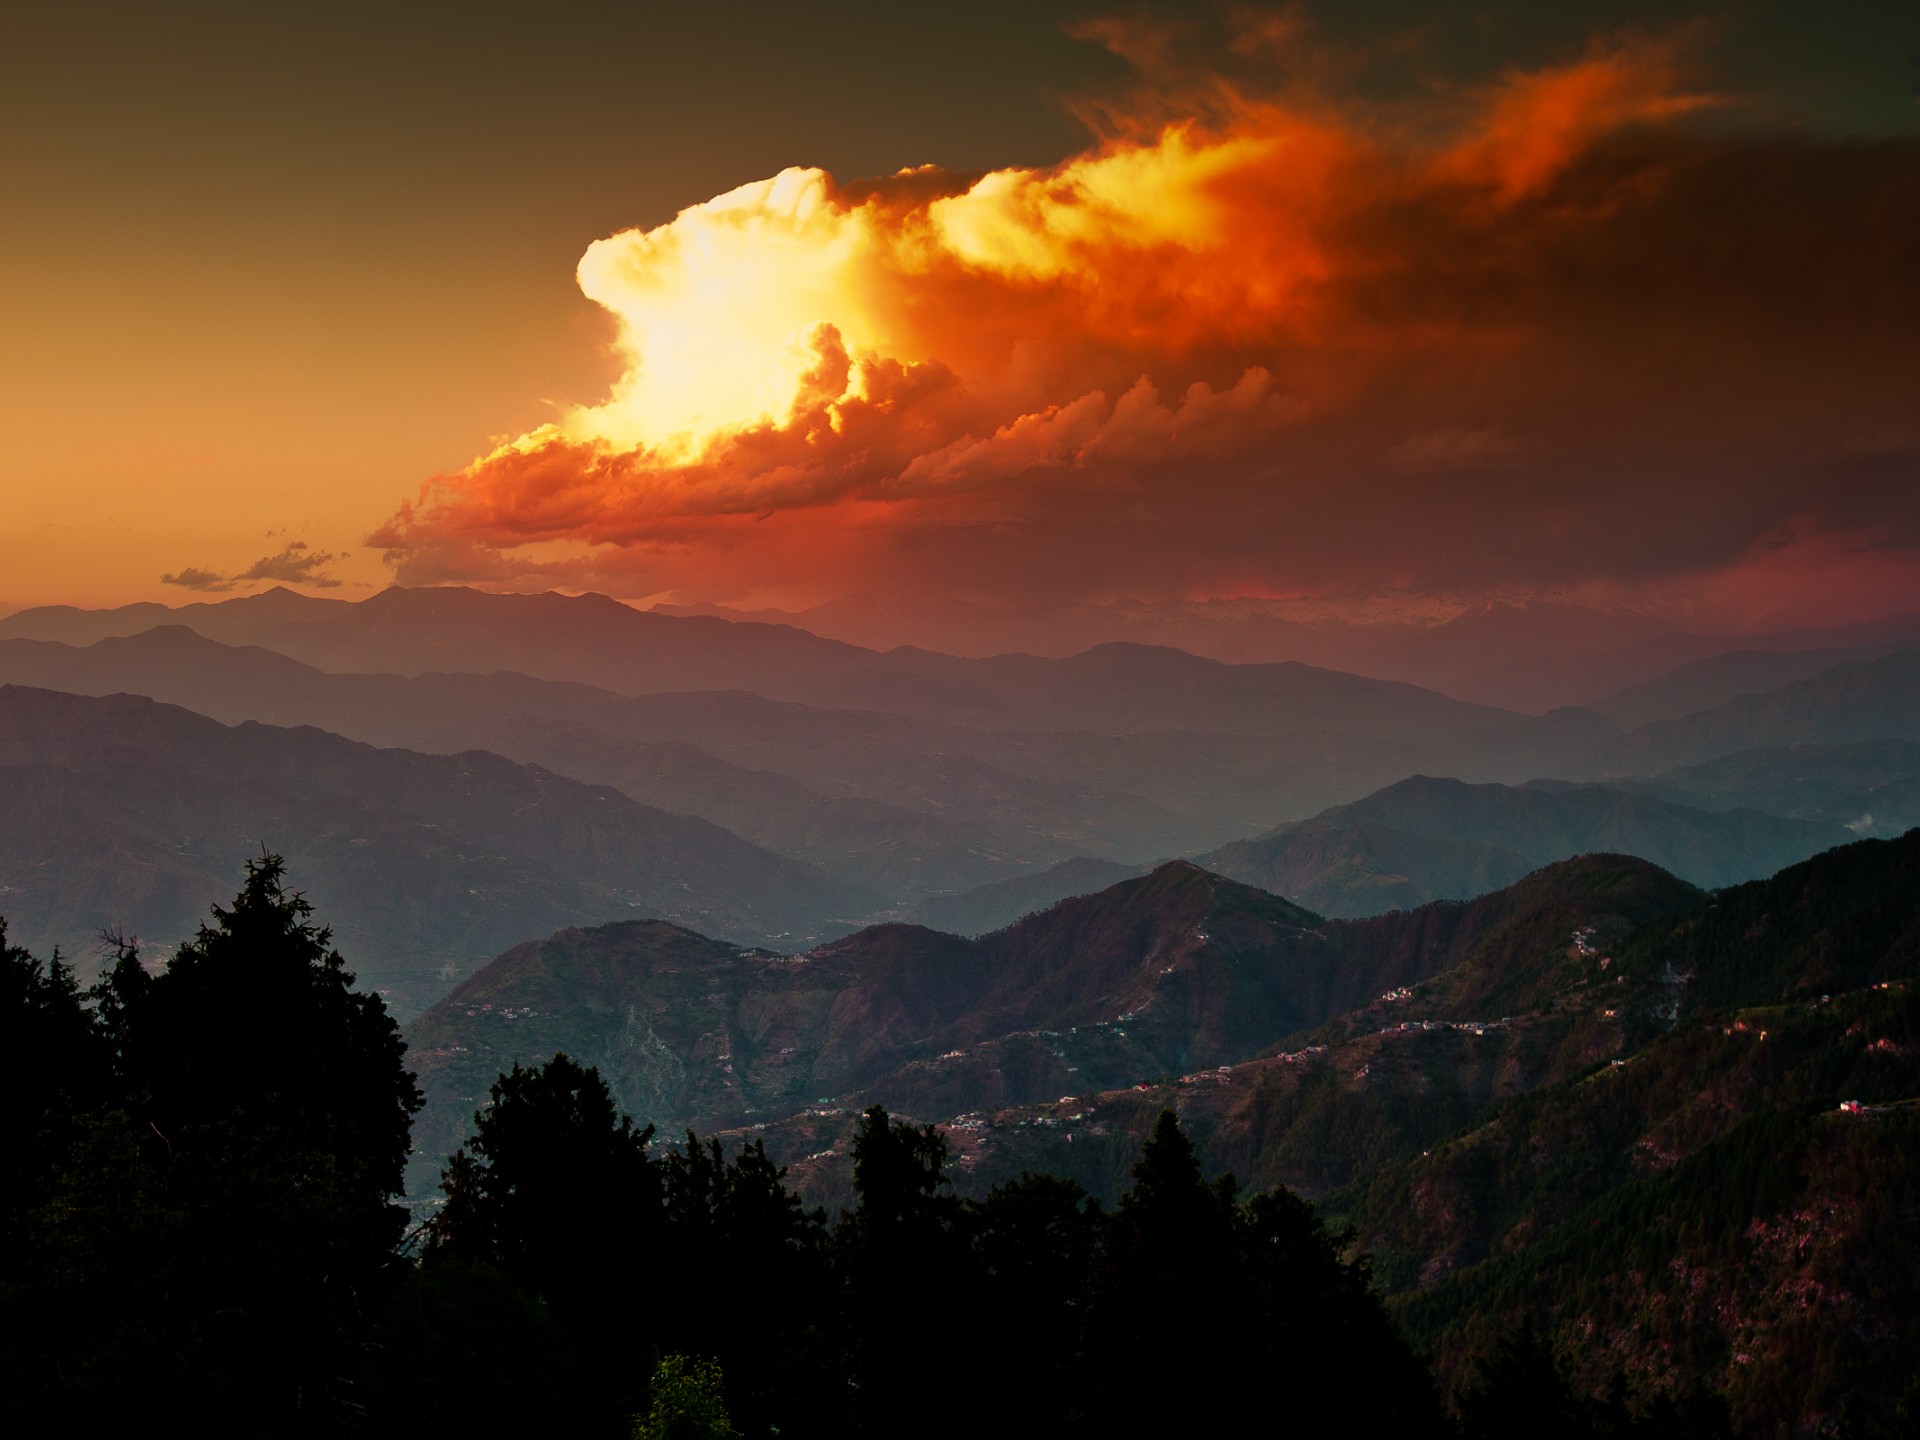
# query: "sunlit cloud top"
{"type": "Point", "coordinates": [1269, 335]}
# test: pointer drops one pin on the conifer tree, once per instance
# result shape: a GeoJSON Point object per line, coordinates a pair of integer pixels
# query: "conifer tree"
{"type": "Point", "coordinates": [555, 1188]}
{"type": "Point", "coordinates": [906, 1271]}
{"type": "Point", "coordinates": [223, 1206]}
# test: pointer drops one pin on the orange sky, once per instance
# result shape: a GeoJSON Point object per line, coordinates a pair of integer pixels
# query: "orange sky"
{"type": "Point", "coordinates": [1604, 323]}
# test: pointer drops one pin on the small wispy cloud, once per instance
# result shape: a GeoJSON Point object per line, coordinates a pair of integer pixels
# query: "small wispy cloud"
{"type": "Point", "coordinates": [296, 564]}
{"type": "Point", "coordinates": [194, 578]}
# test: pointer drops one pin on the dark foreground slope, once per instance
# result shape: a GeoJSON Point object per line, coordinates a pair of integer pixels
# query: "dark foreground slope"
{"type": "Point", "coordinates": [1678, 1128]}
{"type": "Point", "coordinates": [1734, 1205]}
{"type": "Point", "coordinates": [1429, 839]}
{"type": "Point", "coordinates": [132, 815]}
{"type": "Point", "coordinates": [1685, 1145]}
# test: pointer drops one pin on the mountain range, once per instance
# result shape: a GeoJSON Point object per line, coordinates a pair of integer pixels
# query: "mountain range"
{"type": "Point", "coordinates": [969, 774]}
{"type": "Point", "coordinates": [1685, 1123]}
{"type": "Point", "coordinates": [1440, 839]}
{"type": "Point", "coordinates": [1498, 989]}
{"type": "Point", "coordinates": [1174, 971]}
{"type": "Point", "coordinates": [130, 815]}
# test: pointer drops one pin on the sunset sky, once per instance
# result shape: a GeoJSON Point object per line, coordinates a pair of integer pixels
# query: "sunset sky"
{"type": "Point", "coordinates": [766, 304]}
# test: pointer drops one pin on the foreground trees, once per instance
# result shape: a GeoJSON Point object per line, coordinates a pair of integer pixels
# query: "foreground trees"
{"type": "Point", "coordinates": [201, 1229]}
{"type": "Point", "coordinates": [1027, 1313]}
{"type": "Point", "coordinates": [211, 1202]}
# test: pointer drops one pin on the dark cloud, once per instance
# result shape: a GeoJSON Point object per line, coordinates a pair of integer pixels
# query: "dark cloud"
{"type": "Point", "coordinates": [193, 578]}
{"type": "Point", "coordinates": [296, 564]}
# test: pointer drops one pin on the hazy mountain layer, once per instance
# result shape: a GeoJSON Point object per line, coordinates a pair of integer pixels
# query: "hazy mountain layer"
{"type": "Point", "coordinates": [1429, 839]}
{"type": "Point", "coordinates": [990, 907]}
{"type": "Point", "coordinates": [960, 822]}
{"type": "Point", "coordinates": [1709, 683]}
{"type": "Point", "coordinates": [130, 814]}
{"type": "Point", "coordinates": [937, 806]}
{"type": "Point", "coordinates": [1115, 688]}
{"type": "Point", "coordinates": [1872, 788]}
{"type": "Point", "coordinates": [1563, 657]}
{"type": "Point", "coordinates": [1846, 704]}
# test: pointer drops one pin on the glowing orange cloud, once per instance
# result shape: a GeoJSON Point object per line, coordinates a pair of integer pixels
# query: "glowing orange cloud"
{"type": "Point", "coordinates": [1238, 339]}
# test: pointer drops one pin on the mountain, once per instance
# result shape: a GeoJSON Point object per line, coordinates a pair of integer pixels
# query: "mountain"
{"type": "Point", "coordinates": [1573, 674]}
{"type": "Point", "coordinates": [1427, 839]}
{"type": "Point", "coordinates": [990, 907]}
{"type": "Point", "coordinates": [130, 814]}
{"type": "Point", "coordinates": [909, 806]}
{"type": "Point", "coordinates": [1734, 1203]}
{"type": "Point", "coordinates": [691, 1032]}
{"type": "Point", "coordinates": [1686, 1124]}
{"type": "Point", "coordinates": [1114, 688]}
{"type": "Point", "coordinates": [1596, 1095]}
{"type": "Point", "coordinates": [1155, 976]}
{"type": "Point", "coordinates": [218, 619]}
{"type": "Point", "coordinates": [587, 638]}
{"type": "Point", "coordinates": [1764, 1252]}
{"type": "Point", "coordinates": [1871, 787]}
{"type": "Point", "coordinates": [1717, 679]}
{"type": "Point", "coordinates": [903, 822]}
{"type": "Point", "coordinates": [1367, 867]}
{"type": "Point", "coordinates": [1239, 630]}
{"type": "Point", "coordinates": [1861, 700]}
{"type": "Point", "coordinates": [1499, 632]}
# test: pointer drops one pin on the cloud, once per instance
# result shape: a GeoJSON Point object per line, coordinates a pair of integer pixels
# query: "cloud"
{"type": "Point", "coordinates": [1262, 337]}
{"type": "Point", "coordinates": [193, 578]}
{"type": "Point", "coordinates": [295, 564]}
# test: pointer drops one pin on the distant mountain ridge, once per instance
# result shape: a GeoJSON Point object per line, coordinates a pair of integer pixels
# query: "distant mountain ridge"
{"type": "Point", "coordinates": [982, 824]}
{"type": "Point", "coordinates": [128, 813]}
{"type": "Point", "coordinates": [1872, 787]}
{"type": "Point", "coordinates": [1857, 701]}
{"type": "Point", "coordinates": [991, 907]}
{"type": "Point", "coordinates": [1429, 839]}
{"type": "Point", "coordinates": [1115, 688]}
{"type": "Point", "coordinates": [909, 805]}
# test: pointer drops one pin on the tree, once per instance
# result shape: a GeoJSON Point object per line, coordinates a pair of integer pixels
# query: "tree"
{"type": "Point", "coordinates": [906, 1271]}
{"type": "Point", "coordinates": [735, 1237]}
{"type": "Point", "coordinates": [1170, 1272]}
{"type": "Point", "coordinates": [556, 1189]}
{"type": "Point", "coordinates": [52, 1065]}
{"type": "Point", "coordinates": [1038, 1242]}
{"type": "Point", "coordinates": [686, 1402]}
{"type": "Point", "coordinates": [549, 1173]}
{"type": "Point", "coordinates": [1290, 1326]}
{"type": "Point", "coordinates": [223, 1207]}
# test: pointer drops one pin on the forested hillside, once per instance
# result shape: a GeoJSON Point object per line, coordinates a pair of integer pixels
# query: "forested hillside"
{"type": "Point", "coordinates": [1602, 1146]}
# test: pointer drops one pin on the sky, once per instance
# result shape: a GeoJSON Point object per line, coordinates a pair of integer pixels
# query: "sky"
{"type": "Point", "coordinates": [767, 305]}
